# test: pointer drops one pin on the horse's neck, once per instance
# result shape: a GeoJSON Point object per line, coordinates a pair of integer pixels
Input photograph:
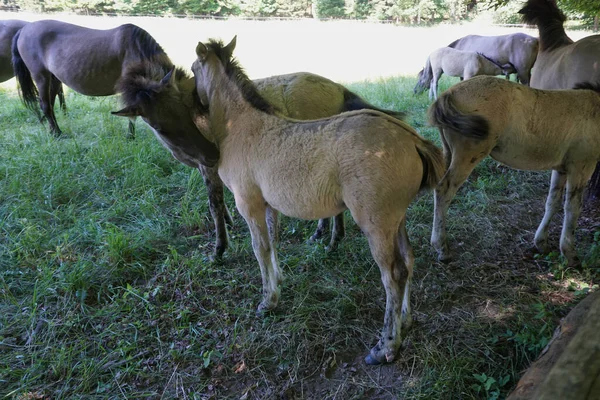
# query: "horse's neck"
{"type": "Point", "coordinates": [229, 109]}
{"type": "Point", "coordinates": [553, 36]}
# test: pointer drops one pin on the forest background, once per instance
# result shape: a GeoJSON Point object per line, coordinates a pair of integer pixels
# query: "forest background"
{"type": "Point", "coordinates": [583, 13]}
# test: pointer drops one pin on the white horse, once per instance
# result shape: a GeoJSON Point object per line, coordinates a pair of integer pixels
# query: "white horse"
{"type": "Point", "coordinates": [452, 62]}
{"type": "Point", "coordinates": [365, 161]}
{"type": "Point", "coordinates": [524, 128]}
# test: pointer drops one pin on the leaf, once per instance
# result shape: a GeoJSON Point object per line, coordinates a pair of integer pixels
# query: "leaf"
{"type": "Point", "coordinates": [488, 384]}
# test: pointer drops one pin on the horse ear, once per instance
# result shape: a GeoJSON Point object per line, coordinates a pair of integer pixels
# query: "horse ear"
{"type": "Point", "coordinates": [201, 50]}
{"type": "Point", "coordinates": [169, 77]}
{"type": "Point", "coordinates": [130, 111]}
{"type": "Point", "coordinates": [231, 46]}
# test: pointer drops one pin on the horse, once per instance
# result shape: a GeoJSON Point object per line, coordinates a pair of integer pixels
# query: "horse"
{"type": "Point", "coordinates": [523, 128]}
{"type": "Point", "coordinates": [518, 49]}
{"type": "Point", "coordinates": [365, 161]}
{"type": "Point", "coordinates": [8, 29]}
{"type": "Point", "coordinates": [301, 95]}
{"type": "Point", "coordinates": [561, 62]}
{"type": "Point", "coordinates": [464, 64]}
{"type": "Point", "coordinates": [89, 61]}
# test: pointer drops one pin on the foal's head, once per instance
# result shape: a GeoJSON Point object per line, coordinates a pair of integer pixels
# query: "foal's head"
{"type": "Point", "coordinates": [165, 100]}
{"type": "Point", "coordinates": [215, 62]}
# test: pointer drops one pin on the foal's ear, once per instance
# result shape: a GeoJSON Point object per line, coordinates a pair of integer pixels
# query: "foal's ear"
{"type": "Point", "coordinates": [231, 46]}
{"type": "Point", "coordinates": [129, 111]}
{"type": "Point", "coordinates": [201, 50]}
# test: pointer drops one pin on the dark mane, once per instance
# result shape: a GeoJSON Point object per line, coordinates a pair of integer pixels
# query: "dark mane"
{"type": "Point", "coordinates": [146, 45]}
{"type": "Point", "coordinates": [490, 60]}
{"type": "Point", "coordinates": [549, 20]}
{"type": "Point", "coordinates": [237, 74]}
{"type": "Point", "coordinates": [595, 86]}
{"type": "Point", "coordinates": [142, 81]}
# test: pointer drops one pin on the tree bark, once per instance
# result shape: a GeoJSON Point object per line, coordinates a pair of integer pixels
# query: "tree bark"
{"type": "Point", "coordinates": [569, 367]}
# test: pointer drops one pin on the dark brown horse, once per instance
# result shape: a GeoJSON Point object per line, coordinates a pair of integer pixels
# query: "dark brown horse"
{"type": "Point", "coordinates": [561, 62]}
{"type": "Point", "coordinates": [8, 29]}
{"type": "Point", "coordinates": [89, 61]}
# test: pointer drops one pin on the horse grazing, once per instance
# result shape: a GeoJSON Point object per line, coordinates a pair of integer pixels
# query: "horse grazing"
{"type": "Point", "coordinates": [524, 128]}
{"type": "Point", "coordinates": [464, 64]}
{"type": "Point", "coordinates": [164, 103]}
{"type": "Point", "coordinates": [562, 63]}
{"type": "Point", "coordinates": [518, 49]}
{"type": "Point", "coordinates": [90, 61]}
{"type": "Point", "coordinates": [365, 161]}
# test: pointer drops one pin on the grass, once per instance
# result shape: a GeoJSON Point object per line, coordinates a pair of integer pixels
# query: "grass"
{"type": "Point", "coordinates": [107, 291]}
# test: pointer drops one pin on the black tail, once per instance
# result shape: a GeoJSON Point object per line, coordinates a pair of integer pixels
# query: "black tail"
{"type": "Point", "coordinates": [595, 86]}
{"type": "Point", "coordinates": [424, 78]}
{"type": "Point", "coordinates": [444, 114]}
{"type": "Point", "coordinates": [353, 102]}
{"type": "Point", "coordinates": [27, 89]}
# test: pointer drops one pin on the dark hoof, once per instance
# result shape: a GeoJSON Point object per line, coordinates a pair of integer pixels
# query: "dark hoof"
{"type": "Point", "coordinates": [370, 360]}
{"type": "Point", "coordinates": [445, 258]}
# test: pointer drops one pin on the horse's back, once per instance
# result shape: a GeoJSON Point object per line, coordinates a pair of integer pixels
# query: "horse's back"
{"type": "Point", "coordinates": [90, 61]}
{"type": "Point", "coordinates": [566, 66]}
{"type": "Point", "coordinates": [8, 29]}
{"type": "Point", "coordinates": [302, 95]}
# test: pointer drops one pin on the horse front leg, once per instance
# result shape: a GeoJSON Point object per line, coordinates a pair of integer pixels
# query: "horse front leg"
{"type": "Point", "coordinates": [254, 211]}
{"type": "Point", "coordinates": [322, 227]}
{"type": "Point", "coordinates": [576, 181]}
{"type": "Point", "coordinates": [218, 209]}
{"type": "Point", "coordinates": [557, 186]}
{"type": "Point", "coordinates": [337, 232]}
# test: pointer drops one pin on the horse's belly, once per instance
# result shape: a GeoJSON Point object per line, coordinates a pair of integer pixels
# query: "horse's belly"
{"type": "Point", "coordinates": [305, 205]}
{"type": "Point", "coordinates": [531, 159]}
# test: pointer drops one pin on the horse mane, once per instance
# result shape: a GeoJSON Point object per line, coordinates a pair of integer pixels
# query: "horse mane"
{"type": "Point", "coordinates": [142, 80]}
{"type": "Point", "coordinates": [490, 60]}
{"type": "Point", "coordinates": [237, 74]}
{"type": "Point", "coordinates": [595, 86]}
{"type": "Point", "coordinates": [146, 45]}
{"type": "Point", "coordinates": [549, 19]}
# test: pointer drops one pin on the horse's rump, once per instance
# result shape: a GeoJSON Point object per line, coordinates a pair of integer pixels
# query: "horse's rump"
{"type": "Point", "coordinates": [443, 113]}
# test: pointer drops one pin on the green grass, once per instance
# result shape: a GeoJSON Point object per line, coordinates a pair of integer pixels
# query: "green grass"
{"type": "Point", "coordinates": [107, 291]}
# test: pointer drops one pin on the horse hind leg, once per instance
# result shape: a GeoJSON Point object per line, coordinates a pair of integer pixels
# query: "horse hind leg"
{"type": "Point", "coordinates": [57, 90]}
{"type": "Point", "coordinates": [218, 209]}
{"type": "Point", "coordinates": [576, 181]}
{"type": "Point", "coordinates": [557, 186]}
{"type": "Point", "coordinates": [44, 83]}
{"type": "Point", "coordinates": [396, 277]}
{"type": "Point", "coordinates": [463, 159]}
{"type": "Point", "coordinates": [322, 227]}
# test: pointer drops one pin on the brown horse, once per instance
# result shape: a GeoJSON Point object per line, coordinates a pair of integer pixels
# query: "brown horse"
{"type": "Point", "coordinates": [164, 104]}
{"type": "Point", "coordinates": [90, 61]}
{"type": "Point", "coordinates": [365, 161]}
{"type": "Point", "coordinates": [8, 29]}
{"type": "Point", "coordinates": [452, 62]}
{"type": "Point", "coordinates": [562, 63]}
{"type": "Point", "coordinates": [518, 49]}
{"type": "Point", "coordinates": [524, 128]}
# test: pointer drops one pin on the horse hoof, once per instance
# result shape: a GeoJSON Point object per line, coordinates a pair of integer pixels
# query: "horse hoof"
{"type": "Point", "coordinates": [371, 360]}
{"type": "Point", "coordinates": [444, 257]}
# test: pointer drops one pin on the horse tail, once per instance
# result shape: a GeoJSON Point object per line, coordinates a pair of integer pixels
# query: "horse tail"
{"type": "Point", "coordinates": [444, 114]}
{"type": "Point", "coordinates": [434, 166]}
{"type": "Point", "coordinates": [424, 78]}
{"type": "Point", "coordinates": [353, 102]}
{"type": "Point", "coordinates": [27, 89]}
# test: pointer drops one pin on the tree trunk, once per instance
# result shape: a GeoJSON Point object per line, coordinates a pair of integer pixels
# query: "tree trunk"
{"type": "Point", "coordinates": [569, 367]}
